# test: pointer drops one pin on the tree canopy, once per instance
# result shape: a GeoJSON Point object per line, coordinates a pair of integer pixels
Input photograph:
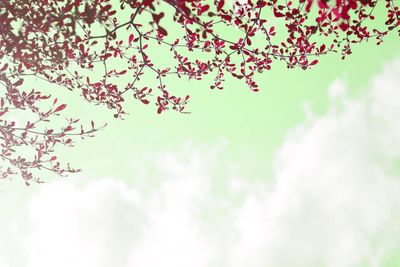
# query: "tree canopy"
{"type": "Point", "coordinates": [107, 51]}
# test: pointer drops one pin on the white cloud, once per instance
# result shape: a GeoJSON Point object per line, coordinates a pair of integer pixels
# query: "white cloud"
{"type": "Point", "coordinates": [89, 226]}
{"type": "Point", "coordinates": [108, 224]}
{"type": "Point", "coordinates": [334, 201]}
{"type": "Point", "coordinates": [3, 264]}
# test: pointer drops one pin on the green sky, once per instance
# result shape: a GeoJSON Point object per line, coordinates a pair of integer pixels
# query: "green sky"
{"type": "Point", "coordinates": [229, 134]}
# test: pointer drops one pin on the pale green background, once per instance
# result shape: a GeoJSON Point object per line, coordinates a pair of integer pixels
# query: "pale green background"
{"type": "Point", "coordinates": [252, 125]}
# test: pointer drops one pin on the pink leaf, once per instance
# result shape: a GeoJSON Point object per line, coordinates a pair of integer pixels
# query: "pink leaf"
{"type": "Point", "coordinates": [59, 108]}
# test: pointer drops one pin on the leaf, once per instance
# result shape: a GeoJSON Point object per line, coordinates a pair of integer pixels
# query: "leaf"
{"type": "Point", "coordinates": [322, 48]}
{"type": "Point", "coordinates": [59, 108]}
{"type": "Point", "coordinates": [19, 82]}
{"type": "Point", "coordinates": [162, 31]}
{"type": "Point", "coordinates": [145, 101]}
{"type": "Point", "coordinates": [4, 67]}
{"type": "Point", "coordinates": [105, 9]}
{"type": "Point", "coordinates": [220, 4]}
{"type": "Point", "coordinates": [131, 37]}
